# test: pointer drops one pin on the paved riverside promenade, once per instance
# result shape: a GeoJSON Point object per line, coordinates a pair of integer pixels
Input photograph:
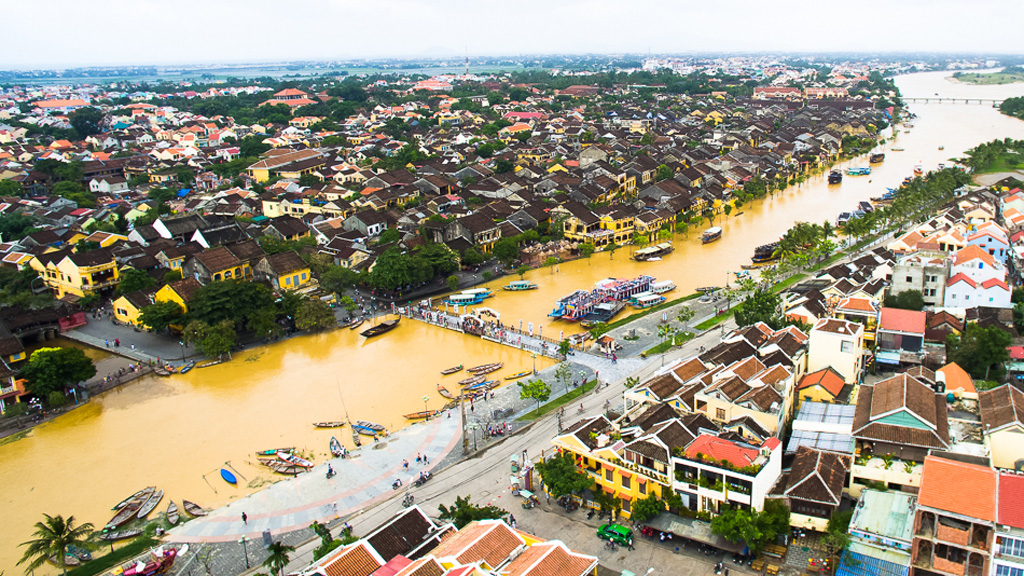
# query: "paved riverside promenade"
{"type": "Point", "coordinates": [363, 479]}
{"type": "Point", "coordinates": [493, 330]}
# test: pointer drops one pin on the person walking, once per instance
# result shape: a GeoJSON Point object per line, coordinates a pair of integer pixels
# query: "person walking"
{"type": "Point", "coordinates": [631, 544]}
{"type": "Point", "coordinates": [245, 519]}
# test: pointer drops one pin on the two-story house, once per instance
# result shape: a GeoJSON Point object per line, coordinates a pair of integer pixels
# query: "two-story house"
{"type": "Point", "coordinates": [285, 271]}
{"type": "Point", "coordinates": [838, 345]}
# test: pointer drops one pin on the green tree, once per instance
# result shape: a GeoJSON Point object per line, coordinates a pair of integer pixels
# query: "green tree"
{"type": "Point", "coordinates": [86, 121]}
{"type": "Point", "coordinates": [172, 276]}
{"type": "Point", "coordinates": [314, 315]}
{"type": "Point", "coordinates": [234, 300]}
{"type": "Point", "coordinates": [56, 399]}
{"type": "Point", "coordinates": [562, 477]}
{"type": "Point", "coordinates": [472, 257]}
{"type": "Point", "coordinates": [348, 304]}
{"type": "Point", "coordinates": [54, 369]}
{"type": "Point", "coordinates": [279, 555]}
{"type": "Point", "coordinates": [522, 270]}
{"type": "Point", "coordinates": [906, 300]}
{"type": "Point", "coordinates": [132, 280]}
{"type": "Point", "coordinates": [836, 537]}
{"type": "Point", "coordinates": [453, 282]}
{"type": "Point", "coordinates": [463, 512]}
{"type": "Point", "coordinates": [337, 278]}
{"type": "Point", "coordinates": [160, 315]}
{"type": "Point", "coordinates": [563, 348]}
{"type": "Point", "coordinates": [753, 528]}
{"type": "Point", "coordinates": [587, 250]}
{"type": "Point", "coordinates": [535, 389]}
{"type": "Point", "coordinates": [664, 172]}
{"type": "Point", "coordinates": [978, 349]}
{"type": "Point", "coordinates": [16, 226]}
{"type": "Point", "coordinates": [75, 192]}
{"type": "Point", "coordinates": [53, 536]}
{"type": "Point", "coordinates": [563, 374]}
{"type": "Point", "coordinates": [218, 339]}
{"type": "Point", "coordinates": [506, 251]}
{"type": "Point", "coordinates": [761, 306]}
{"type": "Point", "coordinates": [647, 508]}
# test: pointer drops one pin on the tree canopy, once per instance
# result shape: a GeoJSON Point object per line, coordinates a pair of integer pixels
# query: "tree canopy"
{"type": "Point", "coordinates": [463, 512]}
{"type": "Point", "coordinates": [53, 369]}
{"type": "Point", "coordinates": [313, 315]}
{"type": "Point", "coordinates": [761, 306]}
{"type": "Point", "coordinates": [562, 477]}
{"type": "Point", "coordinates": [160, 315]}
{"type": "Point", "coordinates": [977, 350]}
{"type": "Point", "coordinates": [906, 300]}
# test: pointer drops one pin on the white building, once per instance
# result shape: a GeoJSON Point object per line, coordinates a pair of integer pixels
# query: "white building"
{"type": "Point", "coordinates": [923, 272]}
{"type": "Point", "coordinates": [839, 344]}
{"type": "Point", "coordinates": [976, 278]}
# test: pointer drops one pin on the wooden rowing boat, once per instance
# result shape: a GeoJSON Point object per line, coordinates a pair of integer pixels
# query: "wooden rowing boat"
{"type": "Point", "coordinates": [385, 326]}
{"type": "Point", "coordinates": [451, 370]}
{"type": "Point", "coordinates": [192, 509]}
{"type": "Point", "coordinates": [420, 415]}
{"type": "Point", "coordinates": [356, 323]}
{"type": "Point", "coordinates": [489, 369]}
{"type": "Point", "coordinates": [150, 504]}
{"type": "Point", "coordinates": [273, 451]}
{"type": "Point", "coordinates": [172, 513]}
{"type": "Point", "coordinates": [125, 502]}
{"type": "Point", "coordinates": [336, 447]}
{"type": "Point", "coordinates": [482, 367]}
{"type": "Point", "coordinates": [371, 425]}
{"type": "Point", "coordinates": [184, 369]}
{"type": "Point", "coordinates": [518, 375]}
{"type": "Point", "coordinates": [161, 371]}
{"type": "Point", "coordinates": [485, 385]}
{"type": "Point", "coordinates": [365, 431]}
{"type": "Point", "coordinates": [294, 460]}
{"type": "Point", "coordinates": [120, 534]}
{"type": "Point", "coordinates": [126, 513]}
{"type": "Point", "coordinates": [472, 381]}
{"type": "Point", "coordinates": [69, 560]}
{"type": "Point", "coordinates": [281, 467]}
{"type": "Point", "coordinates": [328, 424]}
{"type": "Point", "coordinates": [444, 392]}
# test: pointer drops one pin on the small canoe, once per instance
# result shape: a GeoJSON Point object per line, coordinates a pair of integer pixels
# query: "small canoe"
{"type": "Point", "coordinates": [191, 364]}
{"type": "Point", "coordinates": [355, 323]}
{"type": "Point", "coordinates": [420, 415]}
{"type": "Point", "coordinates": [69, 560]}
{"type": "Point", "coordinates": [482, 367]}
{"type": "Point", "coordinates": [150, 504]}
{"type": "Point", "coordinates": [328, 424]}
{"type": "Point", "coordinates": [486, 385]}
{"type": "Point", "coordinates": [336, 447]}
{"type": "Point", "coordinates": [172, 513]}
{"type": "Point", "coordinates": [130, 509]}
{"type": "Point", "coordinates": [80, 553]}
{"type": "Point", "coordinates": [294, 460]}
{"type": "Point", "coordinates": [518, 375]}
{"type": "Point", "coordinates": [472, 381]}
{"type": "Point", "coordinates": [273, 451]}
{"type": "Point", "coordinates": [281, 467]}
{"type": "Point", "coordinates": [371, 425]}
{"type": "Point", "coordinates": [192, 509]}
{"type": "Point", "coordinates": [125, 502]}
{"type": "Point", "coordinates": [162, 371]}
{"type": "Point", "coordinates": [228, 476]}
{"type": "Point", "coordinates": [365, 431]}
{"type": "Point", "coordinates": [444, 392]}
{"type": "Point", "coordinates": [451, 370]}
{"type": "Point", "coordinates": [120, 534]}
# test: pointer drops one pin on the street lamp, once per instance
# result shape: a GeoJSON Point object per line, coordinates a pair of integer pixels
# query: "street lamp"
{"type": "Point", "coordinates": [534, 356]}
{"type": "Point", "coordinates": [425, 398]}
{"type": "Point", "coordinates": [583, 379]}
{"type": "Point", "coordinates": [181, 344]}
{"type": "Point", "coordinates": [245, 551]}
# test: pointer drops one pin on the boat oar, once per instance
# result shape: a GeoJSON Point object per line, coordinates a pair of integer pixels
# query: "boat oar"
{"type": "Point", "coordinates": [228, 464]}
{"type": "Point", "coordinates": [210, 485]}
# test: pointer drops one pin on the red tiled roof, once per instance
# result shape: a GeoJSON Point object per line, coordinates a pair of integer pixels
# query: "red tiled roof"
{"type": "Point", "coordinates": [957, 378]}
{"type": "Point", "coordinates": [961, 277]}
{"type": "Point", "coordinates": [943, 483]}
{"type": "Point", "coordinates": [972, 252]}
{"type": "Point", "coordinates": [995, 282]}
{"type": "Point", "coordinates": [827, 378]}
{"type": "Point", "coordinates": [721, 449]}
{"type": "Point", "coordinates": [1011, 500]}
{"type": "Point", "coordinates": [897, 320]}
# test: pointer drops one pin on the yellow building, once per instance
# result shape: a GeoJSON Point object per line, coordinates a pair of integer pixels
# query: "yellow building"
{"type": "Point", "coordinates": [77, 273]}
{"type": "Point", "coordinates": [825, 385]}
{"type": "Point", "coordinates": [285, 271]}
{"type": "Point", "coordinates": [1002, 419]}
{"type": "Point", "coordinates": [128, 307]}
{"type": "Point", "coordinates": [180, 291]}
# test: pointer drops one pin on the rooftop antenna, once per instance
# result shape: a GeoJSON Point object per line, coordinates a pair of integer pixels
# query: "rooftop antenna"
{"type": "Point", "coordinates": [467, 61]}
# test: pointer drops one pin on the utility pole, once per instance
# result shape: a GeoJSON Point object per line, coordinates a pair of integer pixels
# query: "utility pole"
{"type": "Point", "coordinates": [462, 411]}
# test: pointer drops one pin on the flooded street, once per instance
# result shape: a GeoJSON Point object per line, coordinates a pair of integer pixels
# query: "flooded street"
{"type": "Point", "coordinates": [177, 432]}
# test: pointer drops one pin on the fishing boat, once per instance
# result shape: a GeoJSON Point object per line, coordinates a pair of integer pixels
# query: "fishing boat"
{"type": "Point", "coordinates": [191, 364]}
{"type": "Point", "coordinates": [282, 467]}
{"type": "Point", "coordinates": [858, 171]}
{"type": "Point", "coordinates": [444, 392]}
{"type": "Point", "coordinates": [451, 370]}
{"type": "Point", "coordinates": [161, 371]}
{"type": "Point", "coordinates": [663, 286]}
{"type": "Point", "coordinates": [120, 534]}
{"type": "Point", "coordinates": [876, 158]}
{"type": "Point", "coordinates": [385, 326]}
{"type": "Point", "coordinates": [364, 430]}
{"type": "Point", "coordinates": [711, 234]}
{"type": "Point", "coordinates": [918, 170]}
{"type": "Point", "coordinates": [518, 375]}
{"type": "Point", "coordinates": [228, 476]}
{"type": "Point", "coordinates": [172, 513]}
{"type": "Point", "coordinates": [519, 286]}
{"type": "Point", "coordinates": [192, 509]}
{"type": "Point", "coordinates": [420, 415]}
{"type": "Point", "coordinates": [80, 553]}
{"type": "Point", "coordinates": [835, 177]}
{"type": "Point", "coordinates": [764, 254]}
{"type": "Point", "coordinates": [651, 252]}
{"type": "Point", "coordinates": [150, 504]}
{"type": "Point", "coordinates": [125, 502]}
{"type": "Point", "coordinates": [371, 425]}
{"type": "Point", "coordinates": [328, 424]}
{"type": "Point", "coordinates": [485, 385]}
{"type": "Point", "coordinates": [336, 448]}
{"type": "Point", "coordinates": [356, 323]}
{"type": "Point", "coordinates": [476, 369]}
{"type": "Point", "coordinates": [273, 451]}
{"type": "Point", "coordinates": [129, 510]}
{"type": "Point", "coordinates": [489, 369]}
{"type": "Point", "coordinates": [472, 380]}
{"type": "Point", "coordinates": [294, 460]}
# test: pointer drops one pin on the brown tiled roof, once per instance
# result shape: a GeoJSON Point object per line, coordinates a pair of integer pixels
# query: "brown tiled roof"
{"type": "Point", "coordinates": [745, 369]}
{"type": "Point", "coordinates": [285, 262]}
{"type": "Point", "coordinates": [186, 288]}
{"type": "Point", "coordinates": [218, 259]}
{"type": "Point", "coordinates": [817, 476]}
{"type": "Point", "coordinates": [689, 370]}
{"type": "Point", "coordinates": [1001, 406]}
{"type": "Point", "coordinates": [402, 534]}
{"type": "Point", "coordinates": [732, 388]}
{"type": "Point", "coordinates": [896, 393]}
{"type": "Point", "coordinates": [663, 386]}
{"type": "Point", "coordinates": [248, 251]}
{"type": "Point", "coordinates": [550, 559]}
{"type": "Point", "coordinates": [353, 560]}
{"type": "Point", "coordinates": [489, 540]}
{"type": "Point", "coordinates": [422, 567]}
{"type": "Point", "coordinates": [763, 398]}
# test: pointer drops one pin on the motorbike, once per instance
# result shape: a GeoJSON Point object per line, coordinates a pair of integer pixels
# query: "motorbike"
{"type": "Point", "coordinates": [331, 473]}
{"type": "Point", "coordinates": [408, 500]}
{"type": "Point", "coordinates": [422, 479]}
{"type": "Point", "coordinates": [590, 514]}
{"type": "Point", "coordinates": [396, 484]}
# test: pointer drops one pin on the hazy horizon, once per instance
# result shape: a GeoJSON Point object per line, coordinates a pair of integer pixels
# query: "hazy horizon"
{"type": "Point", "coordinates": [191, 32]}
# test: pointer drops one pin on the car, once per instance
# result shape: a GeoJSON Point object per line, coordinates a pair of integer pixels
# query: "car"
{"type": "Point", "coordinates": [615, 533]}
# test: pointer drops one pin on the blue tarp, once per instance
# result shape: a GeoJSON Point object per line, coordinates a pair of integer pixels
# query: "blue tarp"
{"type": "Point", "coordinates": [183, 192]}
{"type": "Point", "coordinates": [854, 564]}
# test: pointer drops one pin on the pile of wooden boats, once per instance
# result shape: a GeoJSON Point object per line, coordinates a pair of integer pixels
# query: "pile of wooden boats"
{"type": "Point", "coordinates": [368, 428]}
{"type": "Point", "coordinates": [138, 506]}
{"type": "Point", "coordinates": [486, 368]}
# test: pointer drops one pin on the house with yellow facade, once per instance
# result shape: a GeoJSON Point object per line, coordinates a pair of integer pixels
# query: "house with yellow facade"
{"type": "Point", "coordinates": [231, 262]}
{"type": "Point", "coordinates": [285, 271]}
{"type": "Point", "coordinates": [78, 274]}
{"type": "Point", "coordinates": [180, 292]}
{"type": "Point", "coordinates": [128, 306]}
{"type": "Point", "coordinates": [825, 385]}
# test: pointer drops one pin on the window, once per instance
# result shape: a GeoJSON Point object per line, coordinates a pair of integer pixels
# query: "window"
{"type": "Point", "coordinates": [720, 413]}
{"type": "Point", "coordinates": [609, 475]}
{"type": "Point", "coordinates": [846, 347]}
{"type": "Point", "coordinates": [288, 281]}
{"type": "Point", "coordinates": [909, 279]}
{"type": "Point", "coordinates": [1003, 570]}
{"type": "Point", "coordinates": [1011, 546]}
{"type": "Point", "coordinates": [303, 276]}
{"type": "Point", "coordinates": [642, 488]}
{"type": "Point", "coordinates": [626, 482]}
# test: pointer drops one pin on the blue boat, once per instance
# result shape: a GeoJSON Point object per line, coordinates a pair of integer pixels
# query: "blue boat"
{"type": "Point", "coordinates": [364, 430]}
{"type": "Point", "coordinates": [228, 476]}
{"type": "Point", "coordinates": [184, 369]}
{"type": "Point", "coordinates": [858, 171]}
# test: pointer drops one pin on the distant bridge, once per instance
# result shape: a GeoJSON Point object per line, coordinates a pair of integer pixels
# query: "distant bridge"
{"type": "Point", "coordinates": [945, 100]}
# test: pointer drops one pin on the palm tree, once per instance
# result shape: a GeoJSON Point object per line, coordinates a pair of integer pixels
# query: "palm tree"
{"type": "Point", "coordinates": [53, 536]}
{"type": "Point", "coordinates": [278, 558]}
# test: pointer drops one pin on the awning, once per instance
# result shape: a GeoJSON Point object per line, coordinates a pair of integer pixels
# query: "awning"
{"type": "Point", "coordinates": [625, 474]}
{"type": "Point", "coordinates": [625, 496]}
{"type": "Point", "coordinates": [607, 466]}
{"type": "Point", "coordinates": [641, 480]}
{"type": "Point", "coordinates": [692, 529]}
{"type": "Point", "coordinates": [887, 357]}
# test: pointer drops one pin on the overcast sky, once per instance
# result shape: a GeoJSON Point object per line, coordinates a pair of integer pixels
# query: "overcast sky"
{"type": "Point", "coordinates": [56, 33]}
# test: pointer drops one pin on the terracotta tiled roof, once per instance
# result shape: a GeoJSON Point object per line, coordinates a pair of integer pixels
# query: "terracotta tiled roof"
{"type": "Point", "coordinates": [944, 483]}
{"type": "Point", "coordinates": [721, 449]}
{"type": "Point", "coordinates": [828, 378]}
{"type": "Point", "coordinates": [355, 560]}
{"type": "Point", "coordinates": [422, 567]}
{"type": "Point", "coordinates": [957, 378]}
{"type": "Point", "coordinates": [897, 320]}
{"type": "Point", "coordinates": [972, 252]}
{"type": "Point", "coordinates": [1001, 407]}
{"type": "Point", "coordinates": [1011, 500]}
{"type": "Point", "coordinates": [489, 540]}
{"type": "Point", "coordinates": [550, 559]}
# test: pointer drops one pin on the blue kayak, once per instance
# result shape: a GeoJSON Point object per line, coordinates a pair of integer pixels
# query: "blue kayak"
{"type": "Point", "coordinates": [228, 476]}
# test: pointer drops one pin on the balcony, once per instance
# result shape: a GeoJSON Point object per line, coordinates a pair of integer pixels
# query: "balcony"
{"type": "Point", "coordinates": [903, 472]}
{"type": "Point", "coordinates": [8, 390]}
